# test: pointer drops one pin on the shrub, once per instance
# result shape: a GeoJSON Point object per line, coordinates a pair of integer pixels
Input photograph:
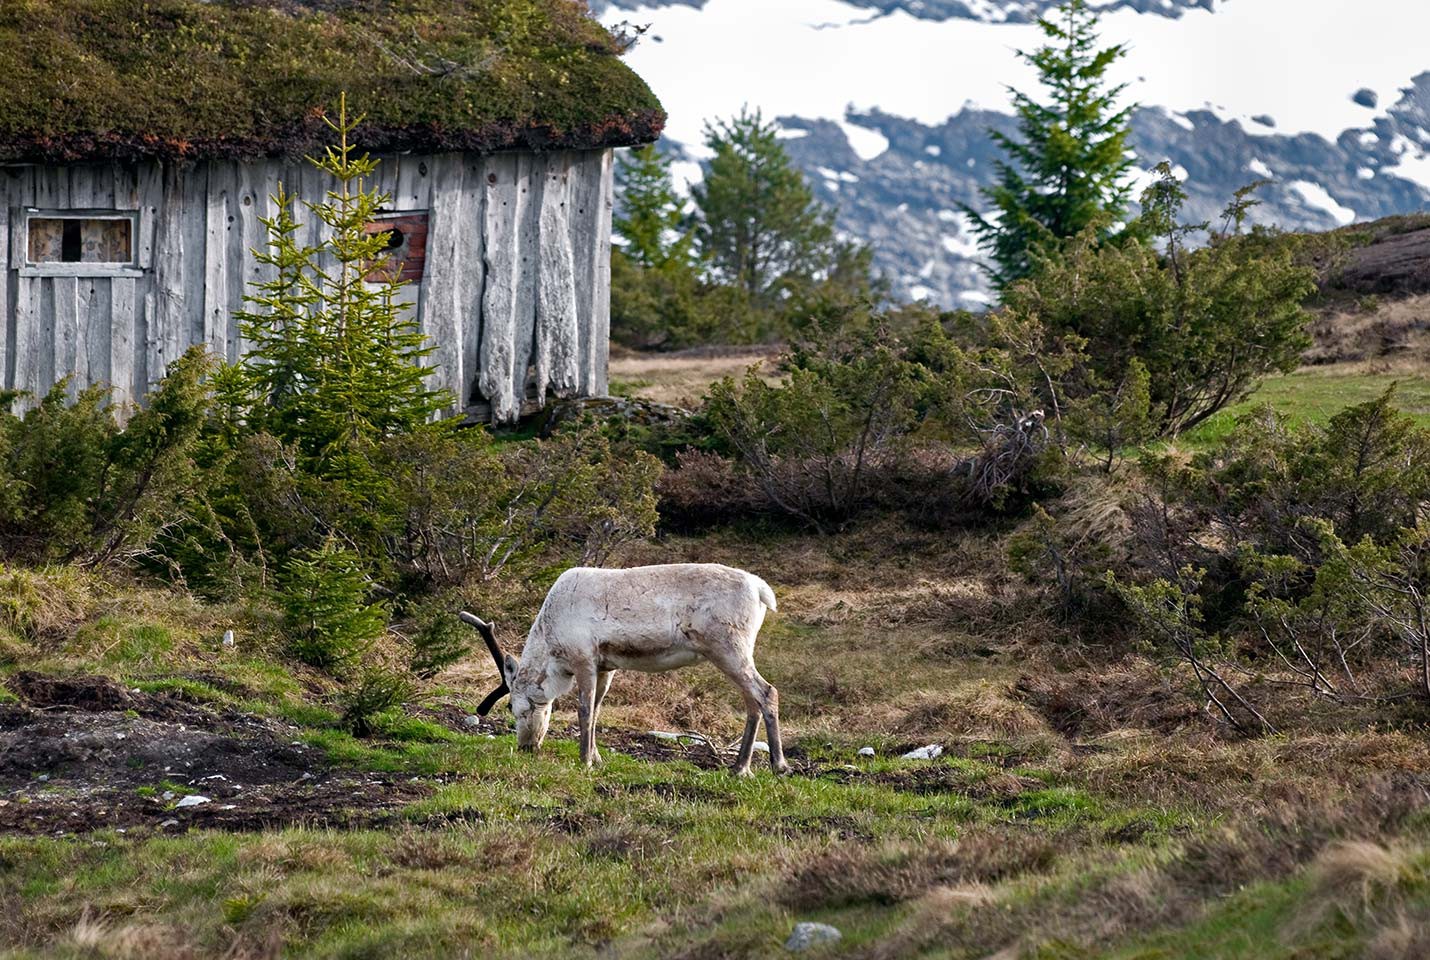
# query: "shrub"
{"type": "Point", "coordinates": [1207, 322]}
{"type": "Point", "coordinates": [439, 641]}
{"type": "Point", "coordinates": [378, 691]}
{"type": "Point", "coordinates": [811, 443]}
{"type": "Point", "coordinates": [1306, 549]}
{"type": "Point", "coordinates": [76, 484]}
{"type": "Point", "coordinates": [327, 618]}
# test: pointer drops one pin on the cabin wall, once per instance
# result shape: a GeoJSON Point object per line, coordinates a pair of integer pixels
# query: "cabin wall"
{"type": "Point", "coordinates": [514, 292]}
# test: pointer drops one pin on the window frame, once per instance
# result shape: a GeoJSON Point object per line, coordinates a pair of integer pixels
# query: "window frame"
{"type": "Point", "coordinates": [29, 268]}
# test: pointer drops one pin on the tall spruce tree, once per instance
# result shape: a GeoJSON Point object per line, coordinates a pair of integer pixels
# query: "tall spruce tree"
{"type": "Point", "coordinates": [758, 223]}
{"type": "Point", "coordinates": [1068, 170]}
{"type": "Point", "coordinates": [337, 360]}
{"type": "Point", "coordinates": [650, 215]}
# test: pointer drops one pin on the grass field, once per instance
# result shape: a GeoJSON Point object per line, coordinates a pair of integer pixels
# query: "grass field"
{"type": "Point", "coordinates": [1315, 394]}
{"type": "Point", "coordinates": [1131, 832]}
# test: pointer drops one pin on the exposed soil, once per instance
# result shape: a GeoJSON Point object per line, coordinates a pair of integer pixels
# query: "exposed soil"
{"type": "Point", "coordinates": [86, 753]}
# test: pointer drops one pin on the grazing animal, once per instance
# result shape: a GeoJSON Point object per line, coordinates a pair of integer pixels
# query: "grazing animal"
{"type": "Point", "coordinates": [596, 621]}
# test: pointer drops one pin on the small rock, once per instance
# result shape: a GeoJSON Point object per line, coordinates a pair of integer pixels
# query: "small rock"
{"type": "Point", "coordinates": [169, 794]}
{"type": "Point", "coordinates": [171, 822]}
{"type": "Point", "coordinates": [228, 638]}
{"type": "Point", "coordinates": [192, 800]}
{"type": "Point", "coordinates": [664, 735]}
{"type": "Point", "coordinates": [866, 751]}
{"type": "Point", "coordinates": [806, 935]}
{"type": "Point", "coordinates": [761, 747]}
{"type": "Point", "coordinates": [43, 778]}
{"type": "Point", "coordinates": [472, 720]}
{"type": "Point", "coordinates": [930, 752]}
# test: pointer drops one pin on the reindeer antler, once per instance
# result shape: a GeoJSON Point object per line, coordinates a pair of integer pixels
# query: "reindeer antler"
{"type": "Point", "coordinates": [489, 635]}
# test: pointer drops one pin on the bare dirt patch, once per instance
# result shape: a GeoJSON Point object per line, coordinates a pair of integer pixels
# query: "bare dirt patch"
{"type": "Point", "coordinates": [85, 753]}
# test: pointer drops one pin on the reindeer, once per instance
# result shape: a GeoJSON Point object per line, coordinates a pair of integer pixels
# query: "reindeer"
{"type": "Point", "coordinates": [596, 621]}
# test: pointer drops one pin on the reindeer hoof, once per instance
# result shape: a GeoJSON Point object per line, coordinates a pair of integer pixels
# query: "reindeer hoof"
{"type": "Point", "coordinates": [782, 769]}
{"type": "Point", "coordinates": [741, 771]}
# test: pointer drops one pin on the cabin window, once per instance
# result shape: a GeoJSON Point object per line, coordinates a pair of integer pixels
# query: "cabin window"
{"type": "Point", "coordinates": [81, 243]}
{"type": "Point", "coordinates": [406, 249]}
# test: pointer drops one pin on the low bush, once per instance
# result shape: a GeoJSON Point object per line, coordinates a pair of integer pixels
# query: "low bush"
{"type": "Point", "coordinates": [1303, 552]}
{"type": "Point", "coordinates": [79, 484]}
{"type": "Point", "coordinates": [328, 618]}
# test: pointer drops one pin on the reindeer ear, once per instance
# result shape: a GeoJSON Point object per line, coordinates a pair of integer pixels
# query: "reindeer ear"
{"type": "Point", "coordinates": [509, 665]}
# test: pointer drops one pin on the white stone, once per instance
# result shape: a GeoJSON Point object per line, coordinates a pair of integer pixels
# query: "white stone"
{"type": "Point", "coordinates": [761, 747]}
{"type": "Point", "coordinates": [930, 752]}
{"type": "Point", "coordinates": [866, 751]}
{"type": "Point", "coordinates": [192, 800]}
{"type": "Point", "coordinates": [806, 935]}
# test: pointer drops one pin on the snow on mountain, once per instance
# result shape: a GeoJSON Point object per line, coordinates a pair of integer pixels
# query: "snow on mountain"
{"type": "Point", "coordinates": [886, 104]}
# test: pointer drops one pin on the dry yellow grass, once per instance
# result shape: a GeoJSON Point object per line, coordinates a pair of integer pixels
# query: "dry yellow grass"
{"type": "Point", "coordinates": [683, 377]}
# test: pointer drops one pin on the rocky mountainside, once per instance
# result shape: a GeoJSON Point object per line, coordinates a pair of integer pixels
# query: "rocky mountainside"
{"type": "Point", "coordinates": [900, 166]}
{"type": "Point", "coordinates": [906, 201]}
{"type": "Point", "coordinates": [990, 11]}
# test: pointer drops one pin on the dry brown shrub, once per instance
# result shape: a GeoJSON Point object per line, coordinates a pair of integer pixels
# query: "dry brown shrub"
{"type": "Point", "coordinates": [1091, 702]}
{"type": "Point", "coordinates": [705, 488]}
{"type": "Point", "coordinates": [851, 874]}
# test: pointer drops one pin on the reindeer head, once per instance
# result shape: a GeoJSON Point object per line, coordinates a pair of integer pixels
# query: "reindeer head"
{"type": "Point", "coordinates": [532, 716]}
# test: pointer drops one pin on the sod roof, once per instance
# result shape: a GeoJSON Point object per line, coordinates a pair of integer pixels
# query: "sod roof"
{"type": "Point", "coordinates": [126, 79]}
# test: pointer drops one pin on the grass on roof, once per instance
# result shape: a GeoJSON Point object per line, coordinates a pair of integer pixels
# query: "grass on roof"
{"type": "Point", "coordinates": [90, 79]}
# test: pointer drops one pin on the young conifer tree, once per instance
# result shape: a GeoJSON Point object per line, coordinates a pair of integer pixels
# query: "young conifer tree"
{"type": "Point", "coordinates": [336, 360]}
{"type": "Point", "coordinates": [650, 216]}
{"type": "Point", "coordinates": [1068, 170]}
{"type": "Point", "coordinates": [758, 224]}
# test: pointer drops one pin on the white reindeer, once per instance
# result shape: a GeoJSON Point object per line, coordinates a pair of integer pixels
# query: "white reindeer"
{"type": "Point", "coordinates": [596, 621]}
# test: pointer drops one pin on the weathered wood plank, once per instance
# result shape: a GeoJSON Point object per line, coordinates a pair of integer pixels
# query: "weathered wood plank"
{"type": "Point", "coordinates": [557, 330]}
{"type": "Point", "coordinates": [531, 184]}
{"type": "Point", "coordinates": [123, 343]}
{"type": "Point", "coordinates": [64, 329]}
{"type": "Point", "coordinates": [503, 201]}
{"type": "Point", "coordinates": [470, 273]}
{"type": "Point", "coordinates": [98, 322]}
{"type": "Point", "coordinates": [598, 346]}
{"type": "Point", "coordinates": [8, 185]}
{"type": "Point", "coordinates": [167, 320]}
{"type": "Point", "coordinates": [441, 320]}
{"type": "Point", "coordinates": [216, 256]}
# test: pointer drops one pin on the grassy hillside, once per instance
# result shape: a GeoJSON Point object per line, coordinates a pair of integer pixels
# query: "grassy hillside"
{"type": "Point", "coordinates": [1084, 805]}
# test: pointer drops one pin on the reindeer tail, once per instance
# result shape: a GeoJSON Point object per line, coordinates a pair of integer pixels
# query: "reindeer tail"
{"type": "Point", "coordinates": [767, 596]}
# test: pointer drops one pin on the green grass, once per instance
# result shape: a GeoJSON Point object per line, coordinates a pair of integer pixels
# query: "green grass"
{"type": "Point", "coordinates": [1314, 395]}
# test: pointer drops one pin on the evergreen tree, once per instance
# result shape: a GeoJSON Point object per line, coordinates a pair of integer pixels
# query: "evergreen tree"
{"type": "Point", "coordinates": [758, 223]}
{"type": "Point", "coordinates": [337, 362]}
{"type": "Point", "coordinates": [650, 215]}
{"type": "Point", "coordinates": [1068, 170]}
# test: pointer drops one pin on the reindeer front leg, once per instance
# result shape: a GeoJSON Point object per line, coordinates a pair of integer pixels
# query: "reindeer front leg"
{"type": "Point", "coordinates": [586, 685]}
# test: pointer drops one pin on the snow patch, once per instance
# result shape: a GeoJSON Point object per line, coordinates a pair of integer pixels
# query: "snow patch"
{"type": "Point", "coordinates": [866, 144]}
{"type": "Point", "coordinates": [1315, 195]}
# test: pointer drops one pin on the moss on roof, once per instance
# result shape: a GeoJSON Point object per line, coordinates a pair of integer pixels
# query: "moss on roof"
{"type": "Point", "coordinates": [124, 79]}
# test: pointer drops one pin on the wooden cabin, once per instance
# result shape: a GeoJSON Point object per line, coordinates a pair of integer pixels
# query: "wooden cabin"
{"type": "Point", "coordinates": [142, 140]}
